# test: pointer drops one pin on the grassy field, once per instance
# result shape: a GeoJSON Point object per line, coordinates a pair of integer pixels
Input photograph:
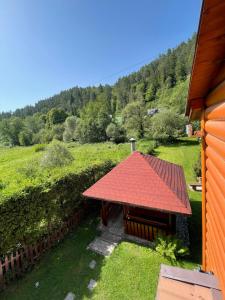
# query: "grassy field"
{"type": "Point", "coordinates": [13, 161]}
{"type": "Point", "coordinates": [131, 272]}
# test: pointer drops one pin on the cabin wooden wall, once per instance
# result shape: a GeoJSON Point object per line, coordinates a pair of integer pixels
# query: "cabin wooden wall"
{"type": "Point", "coordinates": [213, 166]}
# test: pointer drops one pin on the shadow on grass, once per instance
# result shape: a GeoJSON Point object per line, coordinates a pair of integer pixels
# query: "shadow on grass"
{"type": "Point", "coordinates": [195, 231]}
{"type": "Point", "coordinates": [176, 143]}
{"type": "Point", "coordinates": [64, 269]}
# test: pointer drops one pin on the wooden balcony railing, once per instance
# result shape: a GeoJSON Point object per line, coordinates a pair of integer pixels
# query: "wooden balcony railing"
{"type": "Point", "coordinates": [144, 229]}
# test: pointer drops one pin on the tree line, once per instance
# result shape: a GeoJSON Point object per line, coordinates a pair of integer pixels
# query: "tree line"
{"type": "Point", "coordinates": [114, 112]}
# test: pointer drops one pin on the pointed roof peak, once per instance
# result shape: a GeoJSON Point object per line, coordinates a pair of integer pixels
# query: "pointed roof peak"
{"type": "Point", "coordinates": [146, 181]}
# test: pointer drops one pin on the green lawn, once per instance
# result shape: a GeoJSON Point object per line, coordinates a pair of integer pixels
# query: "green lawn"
{"type": "Point", "coordinates": [131, 272]}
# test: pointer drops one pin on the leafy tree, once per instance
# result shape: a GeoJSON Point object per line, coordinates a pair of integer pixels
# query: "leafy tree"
{"type": "Point", "coordinates": [44, 136]}
{"type": "Point", "coordinates": [91, 127]}
{"type": "Point", "coordinates": [70, 129]}
{"type": "Point", "coordinates": [25, 138]}
{"type": "Point", "coordinates": [10, 129]}
{"type": "Point", "coordinates": [57, 132]}
{"type": "Point", "coordinates": [56, 116]}
{"type": "Point", "coordinates": [115, 133]}
{"type": "Point", "coordinates": [166, 126]}
{"type": "Point", "coordinates": [133, 120]}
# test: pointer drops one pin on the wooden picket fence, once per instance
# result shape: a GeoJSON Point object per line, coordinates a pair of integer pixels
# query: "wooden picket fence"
{"type": "Point", "coordinates": [16, 264]}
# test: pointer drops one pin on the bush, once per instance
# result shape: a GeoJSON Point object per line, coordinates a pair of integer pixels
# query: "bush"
{"type": "Point", "coordinates": [70, 129]}
{"type": "Point", "coordinates": [28, 215]}
{"type": "Point", "coordinates": [197, 167]}
{"type": "Point", "coordinates": [171, 247]}
{"type": "Point", "coordinates": [39, 147]}
{"type": "Point", "coordinates": [30, 169]}
{"type": "Point", "coordinates": [57, 155]}
{"type": "Point", "coordinates": [2, 185]}
{"type": "Point", "coordinates": [151, 148]}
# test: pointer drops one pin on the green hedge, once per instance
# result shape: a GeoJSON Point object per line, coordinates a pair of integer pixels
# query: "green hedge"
{"type": "Point", "coordinates": [26, 217]}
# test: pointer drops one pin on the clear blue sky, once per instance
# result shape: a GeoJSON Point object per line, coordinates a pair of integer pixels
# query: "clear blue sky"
{"type": "Point", "coordinates": [50, 45]}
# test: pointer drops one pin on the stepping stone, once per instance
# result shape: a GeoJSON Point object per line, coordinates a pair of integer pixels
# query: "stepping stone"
{"type": "Point", "coordinates": [70, 296]}
{"type": "Point", "coordinates": [102, 247]}
{"type": "Point", "coordinates": [109, 237]}
{"type": "Point", "coordinates": [92, 264]}
{"type": "Point", "coordinates": [92, 284]}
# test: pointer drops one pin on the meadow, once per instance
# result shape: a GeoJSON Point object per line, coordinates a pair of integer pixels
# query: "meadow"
{"type": "Point", "coordinates": [19, 165]}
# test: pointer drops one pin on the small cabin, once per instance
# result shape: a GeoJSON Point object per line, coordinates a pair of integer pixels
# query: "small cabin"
{"type": "Point", "coordinates": [149, 193]}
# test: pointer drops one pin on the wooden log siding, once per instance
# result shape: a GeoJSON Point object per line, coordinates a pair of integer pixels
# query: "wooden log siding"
{"type": "Point", "coordinates": [15, 264]}
{"type": "Point", "coordinates": [213, 127]}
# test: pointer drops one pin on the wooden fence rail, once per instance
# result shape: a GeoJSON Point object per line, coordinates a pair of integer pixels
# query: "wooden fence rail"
{"type": "Point", "coordinates": [144, 231]}
{"type": "Point", "coordinates": [15, 264]}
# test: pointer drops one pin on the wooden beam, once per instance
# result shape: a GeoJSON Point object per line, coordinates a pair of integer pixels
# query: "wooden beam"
{"type": "Point", "coordinates": [197, 103]}
{"type": "Point", "coordinates": [203, 161]}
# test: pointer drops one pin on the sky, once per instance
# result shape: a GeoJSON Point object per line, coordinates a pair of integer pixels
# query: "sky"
{"type": "Point", "coordinates": [51, 45]}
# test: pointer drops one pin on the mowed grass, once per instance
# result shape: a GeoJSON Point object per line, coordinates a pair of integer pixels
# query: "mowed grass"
{"type": "Point", "coordinates": [131, 272]}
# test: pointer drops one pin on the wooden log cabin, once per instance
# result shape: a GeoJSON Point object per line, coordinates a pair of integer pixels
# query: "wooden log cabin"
{"type": "Point", "coordinates": [206, 103]}
{"type": "Point", "coordinates": [151, 192]}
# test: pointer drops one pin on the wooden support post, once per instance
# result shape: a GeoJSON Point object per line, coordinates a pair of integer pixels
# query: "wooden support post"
{"type": "Point", "coordinates": [203, 161]}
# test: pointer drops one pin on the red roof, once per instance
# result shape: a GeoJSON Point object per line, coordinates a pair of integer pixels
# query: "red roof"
{"type": "Point", "coordinates": [144, 181]}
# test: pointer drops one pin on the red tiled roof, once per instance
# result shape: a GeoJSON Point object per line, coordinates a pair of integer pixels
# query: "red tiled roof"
{"type": "Point", "coordinates": [144, 181]}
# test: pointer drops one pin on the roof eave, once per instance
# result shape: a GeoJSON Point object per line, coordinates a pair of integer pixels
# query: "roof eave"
{"type": "Point", "coordinates": [187, 213]}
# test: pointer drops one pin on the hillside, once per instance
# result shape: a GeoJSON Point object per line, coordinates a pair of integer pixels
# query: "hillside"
{"type": "Point", "coordinates": [161, 84]}
{"type": "Point", "coordinates": [143, 85]}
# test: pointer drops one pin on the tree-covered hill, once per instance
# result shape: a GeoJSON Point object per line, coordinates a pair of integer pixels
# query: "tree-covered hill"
{"type": "Point", "coordinates": [160, 84]}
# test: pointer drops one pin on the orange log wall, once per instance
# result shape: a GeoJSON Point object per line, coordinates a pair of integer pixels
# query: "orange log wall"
{"type": "Point", "coordinates": [213, 166]}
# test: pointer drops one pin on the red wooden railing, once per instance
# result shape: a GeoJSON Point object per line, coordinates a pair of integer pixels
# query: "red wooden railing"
{"type": "Point", "coordinates": [147, 230]}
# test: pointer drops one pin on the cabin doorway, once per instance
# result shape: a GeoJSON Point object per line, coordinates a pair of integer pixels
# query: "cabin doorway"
{"type": "Point", "coordinates": [112, 217]}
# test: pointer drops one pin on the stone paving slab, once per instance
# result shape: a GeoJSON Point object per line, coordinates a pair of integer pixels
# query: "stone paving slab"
{"type": "Point", "coordinates": [70, 296]}
{"type": "Point", "coordinates": [92, 264]}
{"type": "Point", "coordinates": [102, 247]}
{"type": "Point", "coordinates": [109, 237]}
{"type": "Point", "coordinates": [92, 284]}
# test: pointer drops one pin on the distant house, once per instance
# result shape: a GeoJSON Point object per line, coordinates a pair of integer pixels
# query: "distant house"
{"type": "Point", "coordinates": [151, 193]}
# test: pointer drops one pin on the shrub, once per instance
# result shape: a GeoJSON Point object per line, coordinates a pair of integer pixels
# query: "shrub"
{"type": "Point", "coordinates": [151, 148]}
{"type": "Point", "coordinates": [57, 155]}
{"type": "Point", "coordinates": [39, 147]}
{"type": "Point", "coordinates": [171, 247]}
{"type": "Point", "coordinates": [30, 169]}
{"type": "Point", "coordinates": [197, 167]}
{"type": "Point", "coordinates": [28, 215]}
{"type": "Point", "coordinates": [2, 185]}
{"type": "Point", "coordinates": [70, 129]}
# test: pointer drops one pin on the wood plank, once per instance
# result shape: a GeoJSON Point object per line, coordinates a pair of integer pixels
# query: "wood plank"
{"type": "Point", "coordinates": [188, 276]}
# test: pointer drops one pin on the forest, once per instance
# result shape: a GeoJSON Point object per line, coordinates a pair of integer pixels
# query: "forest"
{"type": "Point", "coordinates": [147, 103]}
